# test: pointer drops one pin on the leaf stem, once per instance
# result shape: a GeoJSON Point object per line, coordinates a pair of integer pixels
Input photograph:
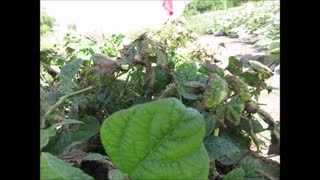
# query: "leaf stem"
{"type": "Point", "coordinates": [60, 101]}
{"type": "Point", "coordinates": [216, 132]}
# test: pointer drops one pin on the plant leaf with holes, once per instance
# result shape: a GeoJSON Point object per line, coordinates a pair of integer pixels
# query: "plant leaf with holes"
{"type": "Point", "coordinates": [52, 167]}
{"type": "Point", "coordinates": [157, 140]}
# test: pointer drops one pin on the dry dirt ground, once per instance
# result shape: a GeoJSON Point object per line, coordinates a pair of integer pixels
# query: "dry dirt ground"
{"type": "Point", "coordinates": [244, 50]}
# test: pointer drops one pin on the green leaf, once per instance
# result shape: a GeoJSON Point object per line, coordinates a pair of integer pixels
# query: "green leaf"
{"type": "Point", "coordinates": [216, 92]}
{"type": "Point", "coordinates": [45, 134]}
{"type": "Point", "coordinates": [161, 80]}
{"type": "Point", "coordinates": [251, 78]}
{"type": "Point", "coordinates": [210, 122]}
{"type": "Point", "coordinates": [250, 169]}
{"type": "Point", "coordinates": [115, 174]}
{"type": "Point", "coordinates": [234, 109]}
{"type": "Point", "coordinates": [52, 167]}
{"type": "Point", "coordinates": [81, 132]}
{"type": "Point", "coordinates": [275, 51]}
{"type": "Point", "coordinates": [234, 66]}
{"type": "Point", "coordinates": [239, 87]}
{"type": "Point", "coordinates": [188, 72]}
{"type": "Point", "coordinates": [261, 69]}
{"type": "Point", "coordinates": [274, 45]}
{"type": "Point", "coordinates": [236, 174]}
{"type": "Point", "coordinates": [187, 95]}
{"type": "Point", "coordinates": [218, 146]}
{"type": "Point", "coordinates": [256, 126]}
{"type": "Point", "coordinates": [157, 140]}
{"type": "Point", "coordinates": [67, 74]}
{"type": "Point", "coordinates": [240, 141]}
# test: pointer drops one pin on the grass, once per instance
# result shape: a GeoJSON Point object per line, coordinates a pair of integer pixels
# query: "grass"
{"type": "Point", "coordinates": [250, 16]}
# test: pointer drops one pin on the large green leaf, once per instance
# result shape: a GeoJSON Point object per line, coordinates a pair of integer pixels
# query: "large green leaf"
{"type": "Point", "coordinates": [234, 66]}
{"type": "Point", "coordinates": [67, 75]}
{"type": "Point", "coordinates": [216, 92]}
{"type": "Point", "coordinates": [157, 140]}
{"type": "Point", "coordinates": [218, 146]}
{"type": "Point", "coordinates": [80, 132]}
{"type": "Point", "coordinates": [236, 174]}
{"type": "Point", "coordinates": [53, 168]}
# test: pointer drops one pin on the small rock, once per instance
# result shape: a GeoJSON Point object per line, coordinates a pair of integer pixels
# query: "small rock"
{"type": "Point", "coordinates": [277, 69]}
{"type": "Point", "coordinates": [221, 32]}
{"type": "Point", "coordinates": [259, 49]}
{"type": "Point", "coordinates": [209, 31]}
{"type": "Point", "coordinates": [233, 35]}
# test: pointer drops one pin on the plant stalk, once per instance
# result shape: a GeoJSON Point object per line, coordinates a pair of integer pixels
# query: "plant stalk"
{"type": "Point", "coordinates": [60, 101]}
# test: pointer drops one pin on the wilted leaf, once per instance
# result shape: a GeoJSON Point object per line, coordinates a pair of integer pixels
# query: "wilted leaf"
{"type": "Point", "coordinates": [52, 167]}
{"type": "Point", "coordinates": [218, 147]}
{"type": "Point", "coordinates": [67, 74]}
{"type": "Point", "coordinates": [261, 69]}
{"type": "Point", "coordinates": [216, 92]}
{"type": "Point", "coordinates": [239, 87]}
{"type": "Point", "coordinates": [157, 140]}
{"type": "Point", "coordinates": [236, 174]}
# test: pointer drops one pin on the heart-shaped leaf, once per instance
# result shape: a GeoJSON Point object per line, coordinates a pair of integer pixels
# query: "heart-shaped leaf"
{"type": "Point", "coordinates": [157, 140]}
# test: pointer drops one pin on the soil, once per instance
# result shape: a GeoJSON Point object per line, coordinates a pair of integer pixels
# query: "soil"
{"type": "Point", "coordinates": [244, 50]}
